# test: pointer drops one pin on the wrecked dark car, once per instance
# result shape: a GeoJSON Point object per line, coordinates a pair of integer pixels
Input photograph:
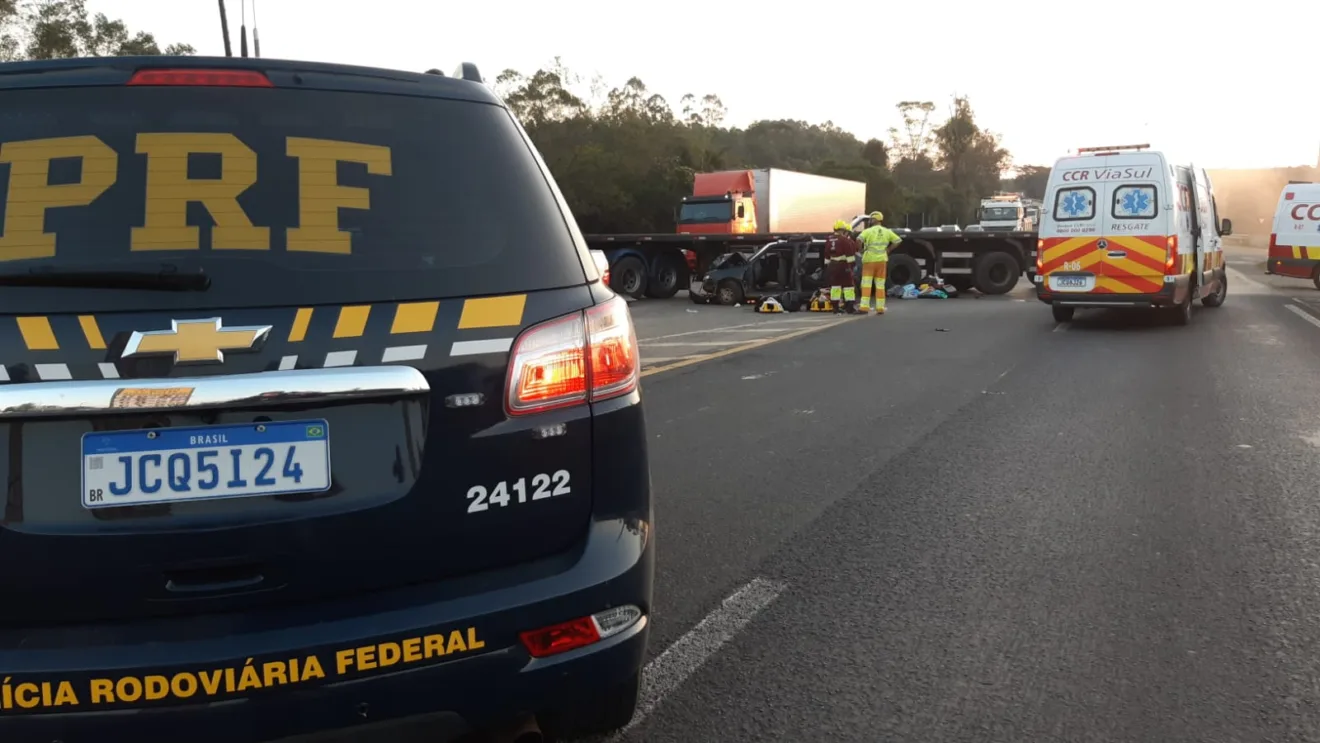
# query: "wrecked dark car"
{"type": "Point", "coordinates": [778, 268]}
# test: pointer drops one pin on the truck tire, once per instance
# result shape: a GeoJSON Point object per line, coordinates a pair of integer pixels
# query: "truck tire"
{"type": "Point", "coordinates": [665, 279]}
{"type": "Point", "coordinates": [903, 270]}
{"type": "Point", "coordinates": [1182, 314]}
{"type": "Point", "coordinates": [729, 293]}
{"type": "Point", "coordinates": [628, 277]}
{"type": "Point", "coordinates": [996, 273]}
{"type": "Point", "coordinates": [1217, 299]}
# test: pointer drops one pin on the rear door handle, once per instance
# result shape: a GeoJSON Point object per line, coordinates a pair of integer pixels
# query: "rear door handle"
{"type": "Point", "coordinates": [1118, 254]}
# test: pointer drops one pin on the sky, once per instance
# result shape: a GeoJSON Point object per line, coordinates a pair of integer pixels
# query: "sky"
{"type": "Point", "coordinates": [1221, 86]}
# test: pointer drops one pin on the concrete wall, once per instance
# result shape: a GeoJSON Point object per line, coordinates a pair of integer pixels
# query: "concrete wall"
{"type": "Point", "coordinates": [1248, 197]}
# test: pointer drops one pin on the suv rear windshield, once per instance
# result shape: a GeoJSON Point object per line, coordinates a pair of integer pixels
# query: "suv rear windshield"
{"type": "Point", "coordinates": [278, 195]}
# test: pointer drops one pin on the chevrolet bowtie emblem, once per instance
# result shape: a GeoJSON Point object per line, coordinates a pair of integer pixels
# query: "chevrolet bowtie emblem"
{"type": "Point", "coordinates": [196, 341]}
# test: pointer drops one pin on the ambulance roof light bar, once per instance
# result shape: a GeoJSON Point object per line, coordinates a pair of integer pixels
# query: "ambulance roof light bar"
{"type": "Point", "coordinates": [1111, 150]}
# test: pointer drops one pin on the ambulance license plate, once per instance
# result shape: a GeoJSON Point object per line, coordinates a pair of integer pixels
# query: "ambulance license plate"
{"type": "Point", "coordinates": [168, 465]}
{"type": "Point", "coordinates": [1072, 283]}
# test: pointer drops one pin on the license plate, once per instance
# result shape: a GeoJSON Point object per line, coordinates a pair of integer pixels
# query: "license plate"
{"type": "Point", "coordinates": [168, 465]}
{"type": "Point", "coordinates": [1072, 283]}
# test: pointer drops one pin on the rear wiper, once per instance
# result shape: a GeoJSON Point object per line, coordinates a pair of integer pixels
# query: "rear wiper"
{"type": "Point", "coordinates": [167, 277]}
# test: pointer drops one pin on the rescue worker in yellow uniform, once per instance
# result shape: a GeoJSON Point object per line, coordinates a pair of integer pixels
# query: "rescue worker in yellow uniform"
{"type": "Point", "coordinates": [876, 241]}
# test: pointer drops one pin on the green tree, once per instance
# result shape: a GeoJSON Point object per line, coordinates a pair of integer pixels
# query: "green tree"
{"type": "Point", "coordinates": [53, 29]}
{"type": "Point", "coordinates": [1030, 180]}
{"type": "Point", "coordinates": [971, 157]}
{"type": "Point", "coordinates": [624, 156]}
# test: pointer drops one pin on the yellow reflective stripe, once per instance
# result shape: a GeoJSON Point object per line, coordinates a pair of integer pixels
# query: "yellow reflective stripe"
{"type": "Point", "coordinates": [301, 320]}
{"type": "Point", "coordinates": [92, 332]}
{"type": "Point", "coordinates": [492, 312]}
{"type": "Point", "coordinates": [37, 334]}
{"type": "Point", "coordinates": [414, 317]}
{"type": "Point", "coordinates": [352, 322]}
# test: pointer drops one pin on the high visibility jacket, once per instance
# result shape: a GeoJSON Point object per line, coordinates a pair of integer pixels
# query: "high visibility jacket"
{"type": "Point", "coordinates": [876, 241]}
{"type": "Point", "coordinates": [840, 248]}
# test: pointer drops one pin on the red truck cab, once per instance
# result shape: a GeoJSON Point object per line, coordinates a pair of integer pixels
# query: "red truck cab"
{"type": "Point", "coordinates": [721, 203]}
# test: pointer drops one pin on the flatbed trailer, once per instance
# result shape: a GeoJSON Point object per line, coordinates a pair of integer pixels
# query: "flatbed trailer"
{"type": "Point", "coordinates": [655, 264]}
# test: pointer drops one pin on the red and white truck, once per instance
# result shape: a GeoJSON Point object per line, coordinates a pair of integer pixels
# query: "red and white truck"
{"type": "Point", "coordinates": [728, 210]}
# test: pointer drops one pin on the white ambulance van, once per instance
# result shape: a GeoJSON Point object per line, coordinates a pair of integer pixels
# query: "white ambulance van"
{"type": "Point", "coordinates": [1125, 228]}
{"type": "Point", "coordinates": [1295, 236]}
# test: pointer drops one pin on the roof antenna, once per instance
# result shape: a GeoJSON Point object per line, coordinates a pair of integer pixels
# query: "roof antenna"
{"type": "Point", "coordinates": [224, 29]}
{"type": "Point", "coordinates": [242, 29]}
{"type": "Point", "coordinates": [256, 42]}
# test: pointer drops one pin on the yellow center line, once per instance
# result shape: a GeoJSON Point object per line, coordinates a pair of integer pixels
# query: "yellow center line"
{"type": "Point", "coordinates": [745, 347]}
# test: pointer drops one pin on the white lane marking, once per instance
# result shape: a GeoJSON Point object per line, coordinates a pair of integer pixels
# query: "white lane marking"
{"type": "Point", "coordinates": [671, 668]}
{"type": "Point", "coordinates": [1237, 281]}
{"type": "Point", "coordinates": [108, 371]}
{"type": "Point", "coordinates": [663, 359]}
{"type": "Point", "coordinates": [288, 362]}
{"type": "Point", "coordinates": [732, 327]}
{"type": "Point", "coordinates": [1061, 327]}
{"type": "Point", "coordinates": [1303, 314]}
{"type": "Point", "coordinates": [403, 353]}
{"type": "Point", "coordinates": [473, 348]}
{"type": "Point", "coordinates": [53, 371]}
{"type": "Point", "coordinates": [4, 373]}
{"type": "Point", "coordinates": [340, 358]}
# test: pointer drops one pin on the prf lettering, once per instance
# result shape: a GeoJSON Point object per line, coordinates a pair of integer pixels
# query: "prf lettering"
{"type": "Point", "coordinates": [169, 190]}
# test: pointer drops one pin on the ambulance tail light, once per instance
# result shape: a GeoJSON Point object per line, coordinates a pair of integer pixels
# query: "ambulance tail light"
{"type": "Point", "coordinates": [586, 356]}
{"type": "Point", "coordinates": [1170, 253]}
{"type": "Point", "coordinates": [1040, 256]}
{"type": "Point", "coordinates": [203, 78]}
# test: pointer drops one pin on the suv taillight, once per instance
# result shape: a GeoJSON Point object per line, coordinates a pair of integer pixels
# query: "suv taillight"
{"type": "Point", "coordinates": [586, 356]}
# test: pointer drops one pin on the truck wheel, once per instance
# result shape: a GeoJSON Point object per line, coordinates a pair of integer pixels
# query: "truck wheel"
{"type": "Point", "coordinates": [1063, 314]}
{"type": "Point", "coordinates": [628, 276]}
{"type": "Point", "coordinates": [729, 293]}
{"type": "Point", "coordinates": [996, 273]}
{"type": "Point", "coordinates": [1182, 314]}
{"type": "Point", "coordinates": [664, 282]}
{"type": "Point", "coordinates": [605, 713]}
{"type": "Point", "coordinates": [903, 270]}
{"type": "Point", "coordinates": [1217, 299]}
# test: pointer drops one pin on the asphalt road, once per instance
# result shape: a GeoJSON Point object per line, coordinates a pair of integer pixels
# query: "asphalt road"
{"type": "Point", "coordinates": [962, 522]}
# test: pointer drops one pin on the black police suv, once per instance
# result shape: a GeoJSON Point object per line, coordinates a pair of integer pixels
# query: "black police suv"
{"type": "Point", "coordinates": [315, 414]}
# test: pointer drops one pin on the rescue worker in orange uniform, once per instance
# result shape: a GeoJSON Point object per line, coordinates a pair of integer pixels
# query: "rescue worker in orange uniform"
{"type": "Point", "coordinates": [840, 255]}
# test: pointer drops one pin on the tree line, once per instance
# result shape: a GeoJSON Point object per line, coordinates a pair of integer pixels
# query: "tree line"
{"type": "Point", "coordinates": [624, 156]}
{"type": "Point", "coordinates": [56, 29]}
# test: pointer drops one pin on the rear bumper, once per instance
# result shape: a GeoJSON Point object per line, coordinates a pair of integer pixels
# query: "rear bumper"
{"type": "Point", "coordinates": [449, 694]}
{"type": "Point", "coordinates": [1171, 294]}
{"type": "Point", "coordinates": [1296, 268]}
{"type": "Point", "coordinates": [445, 656]}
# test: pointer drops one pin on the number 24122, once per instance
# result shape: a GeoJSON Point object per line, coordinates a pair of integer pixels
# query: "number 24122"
{"type": "Point", "coordinates": [503, 492]}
